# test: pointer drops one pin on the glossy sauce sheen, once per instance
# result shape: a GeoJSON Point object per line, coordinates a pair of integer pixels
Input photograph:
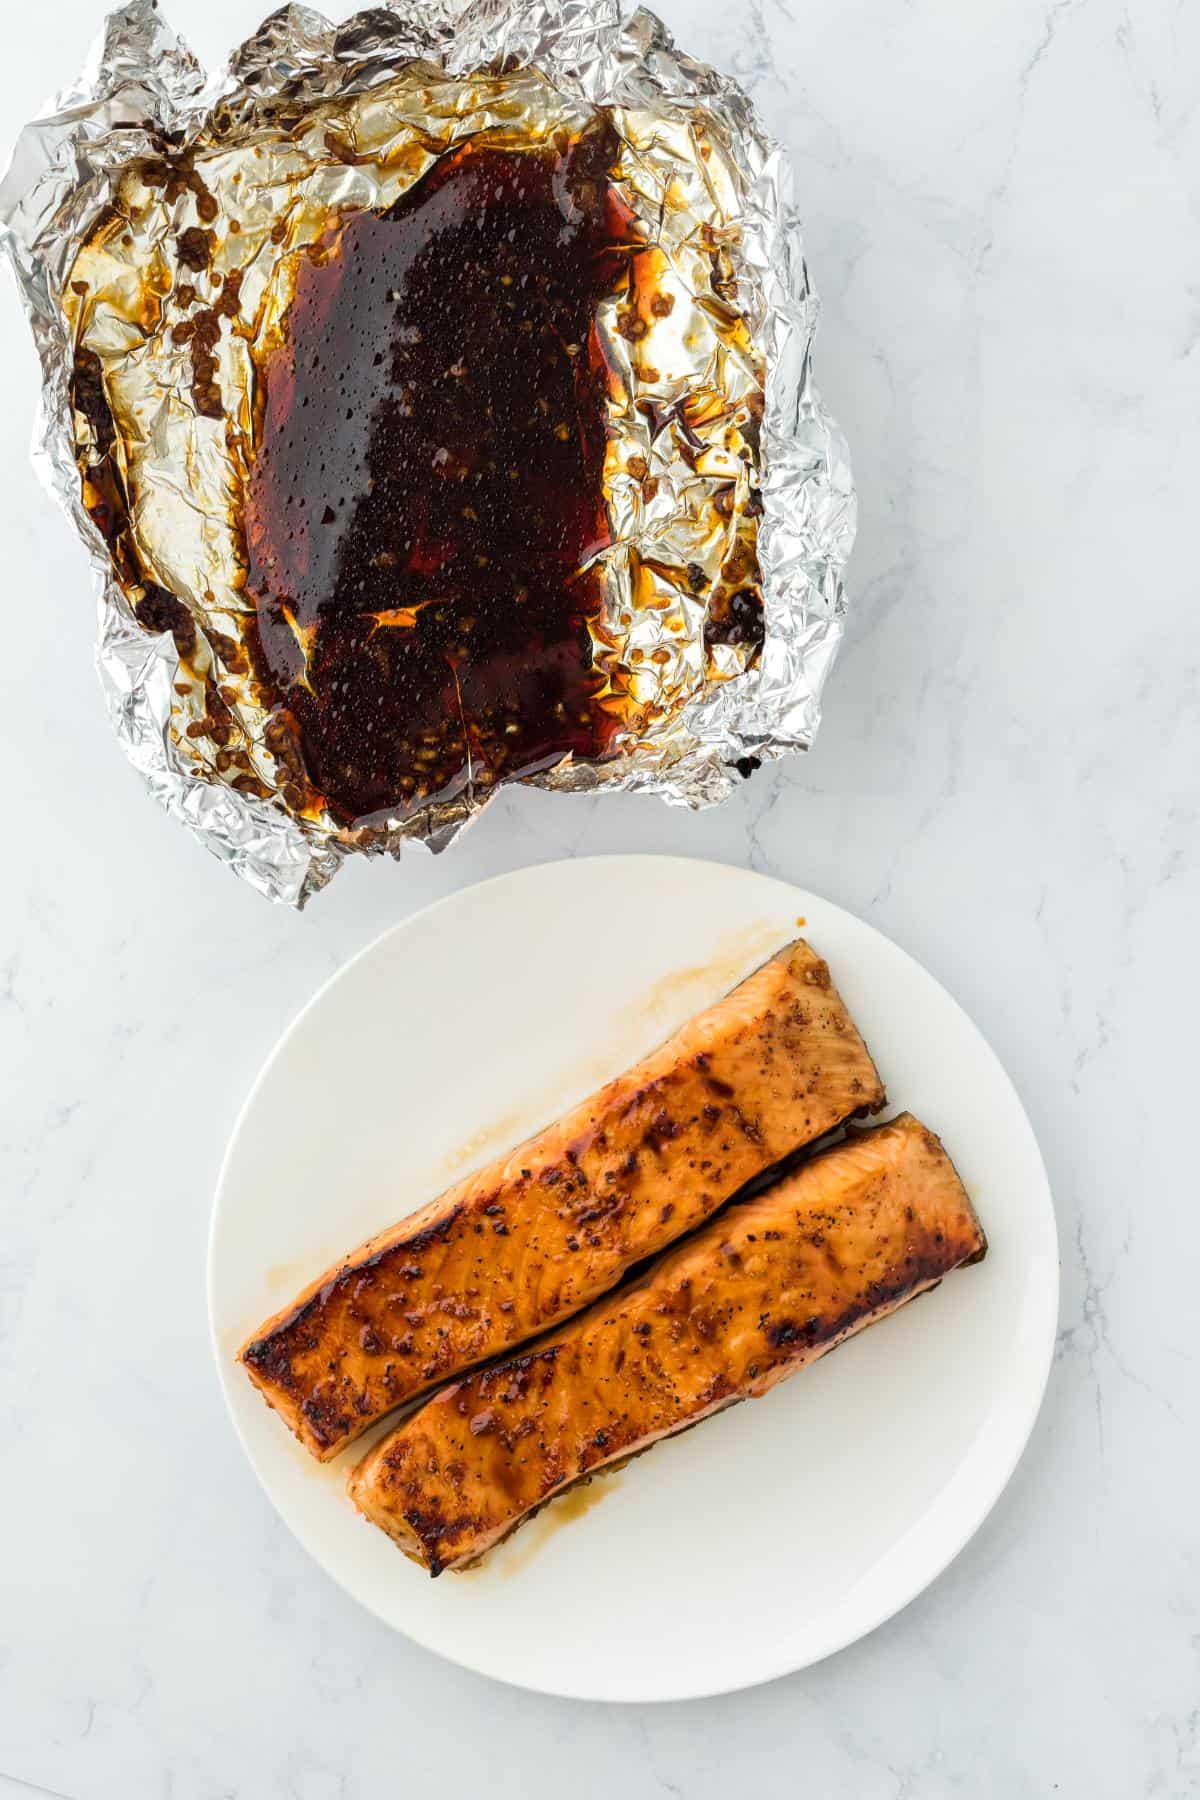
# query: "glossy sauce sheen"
{"type": "Point", "coordinates": [543, 1231]}
{"type": "Point", "coordinates": [754, 1295]}
{"type": "Point", "coordinates": [428, 484]}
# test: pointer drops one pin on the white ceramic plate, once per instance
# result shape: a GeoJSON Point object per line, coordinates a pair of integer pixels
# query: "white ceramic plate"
{"type": "Point", "coordinates": [778, 1532]}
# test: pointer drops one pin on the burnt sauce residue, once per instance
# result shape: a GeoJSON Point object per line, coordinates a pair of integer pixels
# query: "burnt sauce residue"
{"type": "Point", "coordinates": [427, 490]}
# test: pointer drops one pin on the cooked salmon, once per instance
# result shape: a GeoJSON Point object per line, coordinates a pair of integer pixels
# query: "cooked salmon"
{"type": "Point", "coordinates": [768, 1286]}
{"type": "Point", "coordinates": [548, 1228]}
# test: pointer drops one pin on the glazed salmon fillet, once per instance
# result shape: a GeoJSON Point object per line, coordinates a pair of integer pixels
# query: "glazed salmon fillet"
{"type": "Point", "coordinates": [753, 1296]}
{"type": "Point", "coordinates": [543, 1231]}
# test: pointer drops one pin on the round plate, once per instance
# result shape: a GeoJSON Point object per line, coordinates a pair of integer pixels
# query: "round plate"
{"type": "Point", "coordinates": [778, 1532]}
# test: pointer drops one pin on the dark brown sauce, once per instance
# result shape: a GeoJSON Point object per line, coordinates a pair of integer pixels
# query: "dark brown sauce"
{"type": "Point", "coordinates": [428, 484]}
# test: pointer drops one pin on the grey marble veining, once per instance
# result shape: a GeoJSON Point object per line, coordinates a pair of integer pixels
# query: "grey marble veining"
{"type": "Point", "coordinates": [1003, 214]}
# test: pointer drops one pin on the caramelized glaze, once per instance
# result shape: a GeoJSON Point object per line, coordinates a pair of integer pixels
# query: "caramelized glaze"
{"type": "Point", "coordinates": [540, 1232]}
{"type": "Point", "coordinates": [427, 493]}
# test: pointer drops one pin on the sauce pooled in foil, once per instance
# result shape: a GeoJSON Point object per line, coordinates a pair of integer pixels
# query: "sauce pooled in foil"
{"type": "Point", "coordinates": [422, 418]}
{"type": "Point", "coordinates": [426, 498]}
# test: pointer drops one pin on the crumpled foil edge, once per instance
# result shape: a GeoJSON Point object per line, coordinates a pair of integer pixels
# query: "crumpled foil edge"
{"type": "Point", "coordinates": [604, 52]}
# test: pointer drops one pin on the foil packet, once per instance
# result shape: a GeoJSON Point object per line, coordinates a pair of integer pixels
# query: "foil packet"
{"type": "Point", "coordinates": [171, 235]}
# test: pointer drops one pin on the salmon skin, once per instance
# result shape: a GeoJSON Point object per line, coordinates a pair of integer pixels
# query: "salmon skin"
{"type": "Point", "coordinates": [755, 1294]}
{"type": "Point", "coordinates": [548, 1228]}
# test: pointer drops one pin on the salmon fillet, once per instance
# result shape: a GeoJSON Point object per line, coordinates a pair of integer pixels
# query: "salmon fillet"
{"type": "Point", "coordinates": [546, 1229]}
{"type": "Point", "coordinates": [755, 1294]}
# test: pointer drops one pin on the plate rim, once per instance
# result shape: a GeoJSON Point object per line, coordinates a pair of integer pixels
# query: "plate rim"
{"type": "Point", "coordinates": [783, 1664]}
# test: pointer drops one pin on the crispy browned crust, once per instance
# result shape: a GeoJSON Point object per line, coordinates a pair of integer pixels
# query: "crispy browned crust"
{"type": "Point", "coordinates": [755, 1294]}
{"type": "Point", "coordinates": [543, 1231]}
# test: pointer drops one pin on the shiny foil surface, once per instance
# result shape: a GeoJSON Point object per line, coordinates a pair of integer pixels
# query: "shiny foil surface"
{"type": "Point", "coordinates": [159, 225]}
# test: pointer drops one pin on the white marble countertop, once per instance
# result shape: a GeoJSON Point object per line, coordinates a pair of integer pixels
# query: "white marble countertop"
{"type": "Point", "coordinates": [1003, 212]}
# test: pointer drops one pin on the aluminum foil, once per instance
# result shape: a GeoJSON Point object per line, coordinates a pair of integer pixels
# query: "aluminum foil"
{"type": "Point", "coordinates": [722, 467]}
